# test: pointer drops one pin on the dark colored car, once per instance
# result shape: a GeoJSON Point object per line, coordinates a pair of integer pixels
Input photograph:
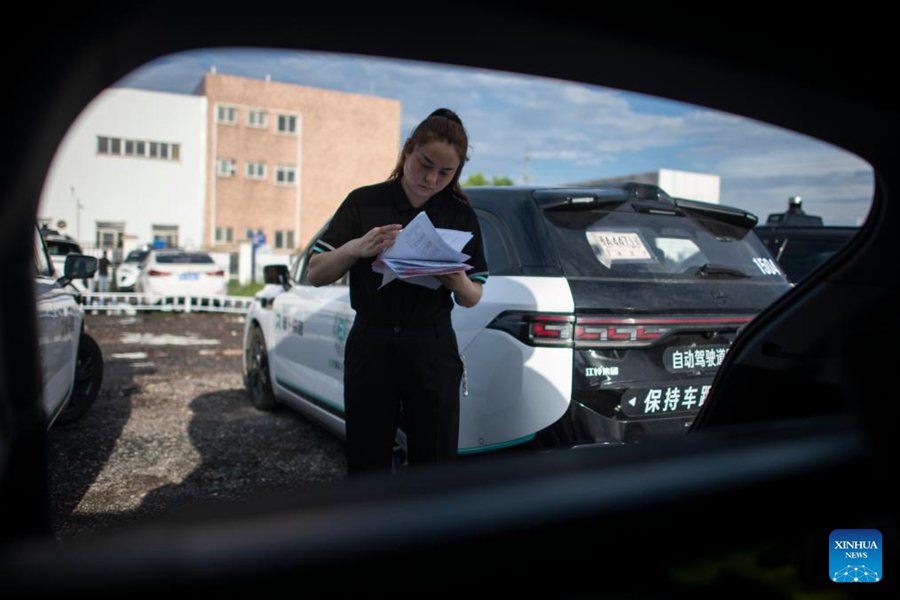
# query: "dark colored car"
{"type": "Point", "coordinates": [650, 293]}
{"type": "Point", "coordinates": [800, 250]}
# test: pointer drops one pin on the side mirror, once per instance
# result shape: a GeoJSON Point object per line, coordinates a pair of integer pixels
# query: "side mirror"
{"type": "Point", "coordinates": [79, 266]}
{"type": "Point", "coordinates": [278, 275]}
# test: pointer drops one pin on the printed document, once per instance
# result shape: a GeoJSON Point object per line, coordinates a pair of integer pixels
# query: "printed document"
{"type": "Point", "coordinates": [421, 251]}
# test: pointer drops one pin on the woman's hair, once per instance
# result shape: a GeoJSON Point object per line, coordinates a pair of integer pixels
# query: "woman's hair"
{"type": "Point", "coordinates": [443, 125]}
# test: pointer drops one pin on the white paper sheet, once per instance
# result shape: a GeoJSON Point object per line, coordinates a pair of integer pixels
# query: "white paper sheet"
{"type": "Point", "coordinates": [422, 251]}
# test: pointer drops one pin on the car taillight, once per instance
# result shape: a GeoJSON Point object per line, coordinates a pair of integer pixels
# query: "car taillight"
{"type": "Point", "coordinates": [155, 273]}
{"type": "Point", "coordinates": [536, 329]}
{"type": "Point", "coordinates": [216, 273]}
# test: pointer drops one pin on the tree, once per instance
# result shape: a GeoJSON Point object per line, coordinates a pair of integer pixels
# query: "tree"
{"type": "Point", "coordinates": [480, 179]}
{"type": "Point", "coordinates": [475, 179]}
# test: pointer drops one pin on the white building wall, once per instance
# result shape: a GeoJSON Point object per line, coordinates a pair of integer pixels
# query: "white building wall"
{"type": "Point", "coordinates": [678, 184]}
{"type": "Point", "coordinates": [684, 184]}
{"type": "Point", "coordinates": [138, 191]}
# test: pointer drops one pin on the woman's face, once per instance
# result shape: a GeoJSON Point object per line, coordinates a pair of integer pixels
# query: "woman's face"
{"type": "Point", "coordinates": [428, 169]}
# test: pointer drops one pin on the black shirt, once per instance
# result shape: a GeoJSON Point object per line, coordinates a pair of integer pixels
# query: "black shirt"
{"type": "Point", "coordinates": [399, 302]}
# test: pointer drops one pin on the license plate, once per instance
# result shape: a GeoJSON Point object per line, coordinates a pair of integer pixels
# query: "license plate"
{"type": "Point", "coordinates": [686, 359]}
{"type": "Point", "coordinates": [188, 277]}
{"type": "Point", "coordinates": [664, 400]}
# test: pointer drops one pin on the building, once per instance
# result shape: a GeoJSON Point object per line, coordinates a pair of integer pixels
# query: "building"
{"type": "Point", "coordinates": [282, 157]}
{"type": "Point", "coordinates": [214, 169]}
{"type": "Point", "coordinates": [678, 184]}
{"type": "Point", "coordinates": [131, 169]}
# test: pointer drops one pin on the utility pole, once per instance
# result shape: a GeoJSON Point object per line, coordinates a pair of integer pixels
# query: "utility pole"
{"type": "Point", "coordinates": [526, 176]}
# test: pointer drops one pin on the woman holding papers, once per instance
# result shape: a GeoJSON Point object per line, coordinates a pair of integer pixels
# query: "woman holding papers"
{"type": "Point", "coordinates": [402, 351]}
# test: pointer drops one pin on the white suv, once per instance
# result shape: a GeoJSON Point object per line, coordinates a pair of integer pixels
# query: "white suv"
{"type": "Point", "coordinates": [607, 313]}
{"type": "Point", "coordinates": [71, 361]}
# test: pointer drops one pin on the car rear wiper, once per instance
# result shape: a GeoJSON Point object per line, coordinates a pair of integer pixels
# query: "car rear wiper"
{"type": "Point", "coordinates": [713, 270]}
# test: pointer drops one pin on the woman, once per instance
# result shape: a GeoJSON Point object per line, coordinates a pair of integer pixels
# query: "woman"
{"type": "Point", "coordinates": [402, 351]}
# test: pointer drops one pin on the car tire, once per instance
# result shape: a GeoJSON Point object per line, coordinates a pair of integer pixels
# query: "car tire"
{"type": "Point", "coordinates": [88, 379]}
{"type": "Point", "coordinates": [257, 377]}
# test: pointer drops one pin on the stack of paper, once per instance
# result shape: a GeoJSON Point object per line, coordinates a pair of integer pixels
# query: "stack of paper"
{"type": "Point", "coordinates": [421, 251]}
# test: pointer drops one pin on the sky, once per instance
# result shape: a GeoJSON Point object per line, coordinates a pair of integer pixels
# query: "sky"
{"type": "Point", "coordinates": [550, 132]}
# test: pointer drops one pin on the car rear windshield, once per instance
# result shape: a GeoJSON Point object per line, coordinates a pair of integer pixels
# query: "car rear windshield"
{"type": "Point", "coordinates": [61, 248]}
{"type": "Point", "coordinates": [184, 258]}
{"type": "Point", "coordinates": [630, 244]}
{"type": "Point", "coordinates": [798, 256]}
{"type": "Point", "coordinates": [136, 256]}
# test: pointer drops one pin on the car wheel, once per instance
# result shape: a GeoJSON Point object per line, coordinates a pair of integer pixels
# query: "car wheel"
{"type": "Point", "coordinates": [257, 379]}
{"type": "Point", "coordinates": [88, 378]}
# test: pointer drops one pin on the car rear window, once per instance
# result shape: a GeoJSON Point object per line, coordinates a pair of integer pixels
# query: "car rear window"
{"type": "Point", "coordinates": [630, 244]}
{"type": "Point", "coordinates": [136, 256]}
{"type": "Point", "coordinates": [61, 248]}
{"type": "Point", "coordinates": [186, 258]}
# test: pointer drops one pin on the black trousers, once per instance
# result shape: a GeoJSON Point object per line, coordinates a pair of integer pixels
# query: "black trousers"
{"type": "Point", "coordinates": [388, 367]}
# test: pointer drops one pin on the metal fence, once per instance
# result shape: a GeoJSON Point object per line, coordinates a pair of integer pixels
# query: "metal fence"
{"type": "Point", "coordinates": [130, 303]}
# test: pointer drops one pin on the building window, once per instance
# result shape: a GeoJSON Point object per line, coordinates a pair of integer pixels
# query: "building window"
{"type": "Point", "coordinates": [284, 239]}
{"type": "Point", "coordinates": [176, 151]}
{"type": "Point", "coordinates": [255, 170]}
{"type": "Point", "coordinates": [140, 148]}
{"type": "Point", "coordinates": [285, 175]}
{"type": "Point", "coordinates": [224, 235]}
{"type": "Point", "coordinates": [226, 167]}
{"type": "Point", "coordinates": [257, 118]}
{"type": "Point", "coordinates": [109, 235]}
{"type": "Point", "coordinates": [168, 234]}
{"type": "Point", "coordinates": [287, 124]}
{"type": "Point", "coordinates": [227, 115]}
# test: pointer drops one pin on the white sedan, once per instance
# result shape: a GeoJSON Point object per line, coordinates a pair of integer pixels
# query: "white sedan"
{"type": "Point", "coordinates": [127, 273]}
{"type": "Point", "coordinates": [181, 273]}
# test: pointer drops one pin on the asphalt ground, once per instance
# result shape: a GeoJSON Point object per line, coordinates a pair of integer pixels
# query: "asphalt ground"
{"type": "Point", "coordinates": [174, 428]}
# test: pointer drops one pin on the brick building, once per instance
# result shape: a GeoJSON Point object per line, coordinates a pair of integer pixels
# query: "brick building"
{"type": "Point", "coordinates": [281, 157]}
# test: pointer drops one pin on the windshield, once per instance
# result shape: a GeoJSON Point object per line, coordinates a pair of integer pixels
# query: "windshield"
{"type": "Point", "coordinates": [57, 248]}
{"type": "Point", "coordinates": [625, 243]}
{"type": "Point", "coordinates": [136, 256]}
{"type": "Point", "coordinates": [184, 258]}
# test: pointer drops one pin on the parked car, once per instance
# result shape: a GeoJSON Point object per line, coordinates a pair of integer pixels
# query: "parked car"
{"type": "Point", "coordinates": [800, 250]}
{"type": "Point", "coordinates": [60, 246]}
{"type": "Point", "coordinates": [71, 361]}
{"type": "Point", "coordinates": [180, 272]}
{"type": "Point", "coordinates": [606, 316]}
{"type": "Point", "coordinates": [127, 273]}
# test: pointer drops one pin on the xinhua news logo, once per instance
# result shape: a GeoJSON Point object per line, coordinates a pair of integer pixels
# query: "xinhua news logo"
{"type": "Point", "coordinates": [855, 556]}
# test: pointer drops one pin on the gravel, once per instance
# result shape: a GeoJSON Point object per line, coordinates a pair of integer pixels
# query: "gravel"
{"type": "Point", "coordinates": [173, 428]}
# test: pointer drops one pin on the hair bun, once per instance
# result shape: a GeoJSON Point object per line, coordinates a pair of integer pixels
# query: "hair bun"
{"type": "Point", "coordinates": [447, 114]}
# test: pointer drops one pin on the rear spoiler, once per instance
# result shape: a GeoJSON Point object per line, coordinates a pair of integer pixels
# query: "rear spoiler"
{"type": "Point", "coordinates": [727, 214]}
{"type": "Point", "coordinates": [614, 194]}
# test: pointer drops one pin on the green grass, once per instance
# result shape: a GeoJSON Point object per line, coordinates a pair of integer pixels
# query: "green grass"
{"type": "Point", "coordinates": [250, 289]}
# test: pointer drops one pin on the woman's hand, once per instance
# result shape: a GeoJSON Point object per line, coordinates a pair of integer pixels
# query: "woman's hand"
{"type": "Point", "coordinates": [375, 241]}
{"type": "Point", "coordinates": [465, 291]}
{"type": "Point", "coordinates": [328, 267]}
